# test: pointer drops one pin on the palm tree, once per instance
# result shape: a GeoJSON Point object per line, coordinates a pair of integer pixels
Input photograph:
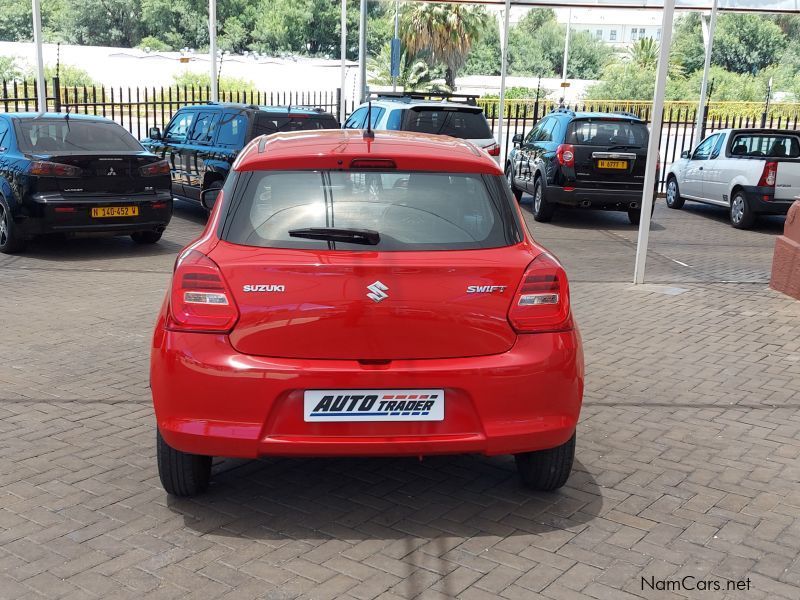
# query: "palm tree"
{"type": "Point", "coordinates": [442, 33]}
{"type": "Point", "coordinates": [644, 53]}
{"type": "Point", "coordinates": [414, 74]}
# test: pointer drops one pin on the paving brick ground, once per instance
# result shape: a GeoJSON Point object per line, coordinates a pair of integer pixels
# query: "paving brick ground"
{"type": "Point", "coordinates": [688, 459]}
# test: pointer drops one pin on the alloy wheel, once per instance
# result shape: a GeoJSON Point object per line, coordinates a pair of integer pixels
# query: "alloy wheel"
{"type": "Point", "coordinates": [672, 193]}
{"type": "Point", "coordinates": [737, 210]}
{"type": "Point", "coordinates": [537, 199]}
{"type": "Point", "coordinates": [3, 226]}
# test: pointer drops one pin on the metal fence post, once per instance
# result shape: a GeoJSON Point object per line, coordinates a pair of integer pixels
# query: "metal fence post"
{"type": "Point", "coordinates": [56, 95]}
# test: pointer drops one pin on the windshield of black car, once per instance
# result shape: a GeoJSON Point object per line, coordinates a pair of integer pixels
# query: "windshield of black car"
{"type": "Point", "coordinates": [409, 210]}
{"type": "Point", "coordinates": [73, 135]}
{"type": "Point", "coordinates": [467, 124]}
{"type": "Point", "coordinates": [267, 124]}
{"type": "Point", "coordinates": [607, 133]}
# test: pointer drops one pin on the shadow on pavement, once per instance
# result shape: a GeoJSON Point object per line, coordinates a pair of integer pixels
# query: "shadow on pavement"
{"type": "Point", "coordinates": [765, 224]}
{"type": "Point", "coordinates": [391, 499]}
{"type": "Point", "coordinates": [580, 218]}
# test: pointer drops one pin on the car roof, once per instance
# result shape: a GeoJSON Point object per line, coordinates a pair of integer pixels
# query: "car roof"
{"type": "Point", "coordinates": [279, 109]}
{"type": "Point", "coordinates": [333, 149]}
{"type": "Point", "coordinates": [587, 114]}
{"type": "Point", "coordinates": [29, 116]}
{"type": "Point", "coordinates": [403, 104]}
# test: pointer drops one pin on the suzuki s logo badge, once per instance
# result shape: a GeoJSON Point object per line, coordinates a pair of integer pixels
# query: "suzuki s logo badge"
{"type": "Point", "coordinates": [377, 291]}
{"type": "Point", "coordinates": [111, 172]}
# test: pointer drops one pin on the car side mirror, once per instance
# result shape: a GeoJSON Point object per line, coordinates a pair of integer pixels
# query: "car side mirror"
{"type": "Point", "coordinates": [517, 139]}
{"type": "Point", "coordinates": [154, 133]}
{"type": "Point", "coordinates": [686, 154]}
{"type": "Point", "coordinates": [208, 198]}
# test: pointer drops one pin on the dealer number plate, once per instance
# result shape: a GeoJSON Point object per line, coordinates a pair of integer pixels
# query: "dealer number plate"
{"type": "Point", "coordinates": [115, 211]}
{"type": "Point", "coordinates": [612, 164]}
{"type": "Point", "coordinates": [373, 405]}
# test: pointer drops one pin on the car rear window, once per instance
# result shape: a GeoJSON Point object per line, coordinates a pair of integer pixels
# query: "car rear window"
{"type": "Point", "coordinates": [606, 132]}
{"type": "Point", "coordinates": [73, 135]}
{"type": "Point", "coordinates": [410, 211]}
{"type": "Point", "coordinates": [267, 124]}
{"type": "Point", "coordinates": [768, 145]}
{"type": "Point", "coordinates": [464, 124]}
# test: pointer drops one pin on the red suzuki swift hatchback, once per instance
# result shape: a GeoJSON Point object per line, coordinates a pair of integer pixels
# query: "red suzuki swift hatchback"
{"type": "Point", "coordinates": [365, 295]}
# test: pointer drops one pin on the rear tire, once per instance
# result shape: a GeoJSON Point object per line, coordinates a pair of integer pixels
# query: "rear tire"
{"type": "Point", "coordinates": [181, 474]}
{"type": "Point", "coordinates": [146, 237]}
{"type": "Point", "coordinates": [674, 199]}
{"type": "Point", "coordinates": [741, 215]}
{"type": "Point", "coordinates": [546, 470]}
{"type": "Point", "coordinates": [635, 216]}
{"type": "Point", "coordinates": [517, 192]}
{"type": "Point", "coordinates": [542, 209]}
{"type": "Point", "coordinates": [10, 240]}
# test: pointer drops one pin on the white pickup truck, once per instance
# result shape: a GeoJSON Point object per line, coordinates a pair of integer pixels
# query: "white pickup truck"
{"type": "Point", "coordinates": [748, 171]}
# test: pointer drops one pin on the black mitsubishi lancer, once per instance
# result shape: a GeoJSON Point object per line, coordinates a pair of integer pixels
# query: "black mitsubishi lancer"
{"type": "Point", "coordinates": [78, 174]}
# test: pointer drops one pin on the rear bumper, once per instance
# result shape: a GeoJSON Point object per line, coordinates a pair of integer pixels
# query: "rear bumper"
{"type": "Point", "coordinates": [604, 199]}
{"type": "Point", "coordinates": [762, 201]}
{"type": "Point", "coordinates": [211, 400]}
{"type": "Point", "coordinates": [56, 213]}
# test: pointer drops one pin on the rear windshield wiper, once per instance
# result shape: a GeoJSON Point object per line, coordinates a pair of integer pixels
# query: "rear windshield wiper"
{"type": "Point", "coordinates": [366, 237]}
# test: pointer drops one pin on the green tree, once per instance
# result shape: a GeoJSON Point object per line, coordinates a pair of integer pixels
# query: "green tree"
{"type": "Point", "coordinates": [9, 69]}
{"type": "Point", "coordinates": [643, 53]}
{"type": "Point", "coordinates": [154, 44]}
{"type": "Point", "coordinates": [536, 47]}
{"type": "Point", "coordinates": [747, 43]}
{"type": "Point", "coordinates": [442, 33]}
{"type": "Point", "coordinates": [484, 57]}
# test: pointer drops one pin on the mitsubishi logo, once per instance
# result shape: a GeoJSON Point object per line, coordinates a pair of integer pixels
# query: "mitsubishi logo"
{"type": "Point", "coordinates": [111, 172]}
{"type": "Point", "coordinates": [377, 291]}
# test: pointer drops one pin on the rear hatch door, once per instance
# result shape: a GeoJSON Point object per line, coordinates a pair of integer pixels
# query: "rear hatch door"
{"type": "Point", "coordinates": [371, 306]}
{"type": "Point", "coordinates": [787, 181]}
{"type": "Point", "coordinates": [437, 283]}
{"type": "Point", "coordinates": [609, 152]}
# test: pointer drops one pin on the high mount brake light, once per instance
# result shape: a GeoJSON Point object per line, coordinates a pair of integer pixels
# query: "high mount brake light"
{"type": "Point", "coordinates": [200, 299]}
{"type": "Point", "coordinates": [50, 169]}
{"type": "Point", "coordinates": [565, 154]}
{"type": "Point", "coordinates": [770, 175]}
{"type": "Point", "coordinates": [372, 163]}
{"type": "Point", "coordinates": [541, 302]}
{"type": "Point", "coordinates": [160, 167]}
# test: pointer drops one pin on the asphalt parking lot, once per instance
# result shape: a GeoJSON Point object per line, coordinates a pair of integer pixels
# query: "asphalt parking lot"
{"type": "Point", "coordinates": [688, 459]}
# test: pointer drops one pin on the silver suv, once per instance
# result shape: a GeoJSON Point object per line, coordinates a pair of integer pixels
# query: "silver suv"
{"type": "Point", "coordinates": [412, 112]}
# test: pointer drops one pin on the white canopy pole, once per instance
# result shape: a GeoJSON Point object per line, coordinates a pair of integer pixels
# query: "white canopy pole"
{"type": "Point", "coordinates": [701, 108]}
{"type": "Point", "coordinates": [212, 36]}
{"type": "Point", "coordinates": [566, 52]}
{"type": "Point", "coordinates": [342, 108]}
{"type": "Point", "coordinates": [362, 52]}
{"type": "Point", "coordinates": [655, 137]}
{"type": "Point", "coordinates": [41, 90]}
{"type": "Point", "coordinates": [503, 69]}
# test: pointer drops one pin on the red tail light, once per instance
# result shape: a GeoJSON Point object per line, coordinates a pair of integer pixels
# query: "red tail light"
{"type": "Point", "coordinates": [769, 175]}
{"type": "Point", "coordinates": [51, 169]}
{"type": "Point", "coordinates": [542, 299]}
{"type": "Point", "coordinates": [493, 149]}
{"type": "Point", "coordinates": [157, 168]}
{"type": "Point", "coordinates": [200, 300]}
{"type": "Point", "coordinates": [565, 155]}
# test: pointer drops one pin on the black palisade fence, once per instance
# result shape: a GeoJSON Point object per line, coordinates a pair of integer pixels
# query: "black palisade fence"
{"type": "Point", "coordinates": [140, 108]}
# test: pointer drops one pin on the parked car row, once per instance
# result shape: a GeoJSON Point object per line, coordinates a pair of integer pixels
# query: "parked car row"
{"type": "Point", "coordinates": [78, 174]}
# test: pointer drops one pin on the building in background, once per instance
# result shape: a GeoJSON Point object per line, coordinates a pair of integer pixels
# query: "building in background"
{"type": "Point", "coordinates": [618, 28]}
